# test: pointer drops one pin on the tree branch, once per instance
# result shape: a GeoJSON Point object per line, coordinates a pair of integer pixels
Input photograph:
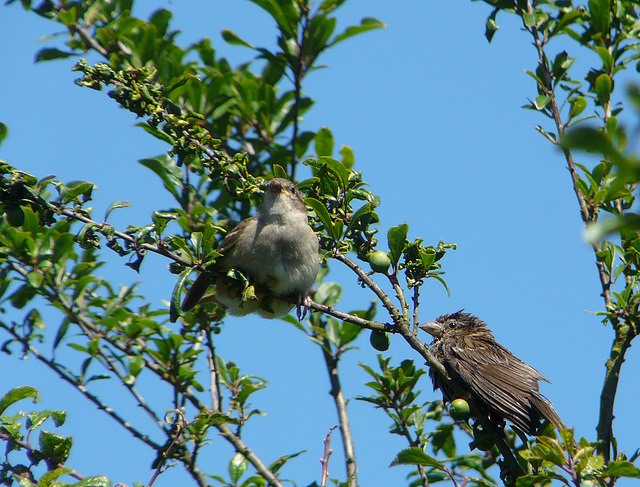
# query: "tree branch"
{"type": "Point", "coordinates": [621, 343]}
{"type": "Point", "coordinates": [589, 215]}
{"type": "Point", "coordinates": [34, 452]}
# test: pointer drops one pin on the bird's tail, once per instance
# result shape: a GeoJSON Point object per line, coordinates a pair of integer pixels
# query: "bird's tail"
{"type": "Point", "coordinates": [196, 291]}
{"type": "Point", "coordinates": [544, 406]}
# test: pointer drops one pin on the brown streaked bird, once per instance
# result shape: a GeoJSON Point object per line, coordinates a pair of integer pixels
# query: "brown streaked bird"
{"type": "Point", "coordinates": [275, 249]}
{"type": "Point", "coordinates": [486, 374]}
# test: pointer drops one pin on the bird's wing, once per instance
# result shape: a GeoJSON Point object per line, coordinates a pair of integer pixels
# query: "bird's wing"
{"type": "Point", "coordinates": [499, 379]}
{"type": "Point", "coordinates": [199, 287]}
{"type": "Point", "coordinates": [229, 241]}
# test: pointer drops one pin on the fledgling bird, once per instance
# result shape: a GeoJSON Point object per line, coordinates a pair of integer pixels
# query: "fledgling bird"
{"type": "Point", "coordinates": [275, 249]}
{"type": "Point", "coordinates": [486, 374]}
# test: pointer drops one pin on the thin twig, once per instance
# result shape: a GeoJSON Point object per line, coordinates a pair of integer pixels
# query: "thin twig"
{"type": "Point", "coordinates": [298, 73]}
{"type": "Point", "coordinates": [140, 246]}
{"type": "Point", "coordinates": [331, 361]}
{"type": "Point", "coordinates": [325, 458]}
{"type": "Point", "coordinates": [216, 395]}
{"type": "Point", "coordinates": [110, 365]}
{"type": "Point", "coordinates": [393, 278]}
{"type": "Point", "coordinates": [83, 33]}
{"type": "Point", "coordinates": [416, 306]}
{"type": "Point", "coordinates": [72, 380]}
{"type": "Point", "coordinates": [371, 284]}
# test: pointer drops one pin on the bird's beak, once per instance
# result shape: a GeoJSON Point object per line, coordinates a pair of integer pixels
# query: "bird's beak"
{"type": "Point", "coordinates": [276, 187]}
{"type": "Point", "coordinates": [433, 328]}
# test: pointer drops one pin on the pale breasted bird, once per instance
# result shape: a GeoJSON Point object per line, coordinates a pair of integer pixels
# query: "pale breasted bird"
{"type": "Point", "coordinates": [275, 249]}
{"type": "Point", "coordinates": [486, 374]}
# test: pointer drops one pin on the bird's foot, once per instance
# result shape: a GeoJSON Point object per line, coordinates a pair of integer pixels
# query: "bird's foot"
{"type": "Point", "coordinates": [304, 301]}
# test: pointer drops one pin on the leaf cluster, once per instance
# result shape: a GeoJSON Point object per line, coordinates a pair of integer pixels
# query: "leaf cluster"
{"type": "Point", "coordinates": [395, 392]}
{"type": "Point", "coordinates": [52, 449]}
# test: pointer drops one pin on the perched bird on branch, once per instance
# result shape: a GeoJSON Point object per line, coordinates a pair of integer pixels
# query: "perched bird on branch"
{"type": "Point", "coordinates": [486, 374]}
{"type": "Point", "coordinates": [275, 249]}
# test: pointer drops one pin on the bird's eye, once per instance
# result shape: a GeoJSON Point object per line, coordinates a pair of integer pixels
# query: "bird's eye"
{"type": "Point", "coordinates": [293, 189]}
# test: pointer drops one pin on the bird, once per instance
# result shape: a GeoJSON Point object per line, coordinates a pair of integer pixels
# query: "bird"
{"type": "Point", "coordinates": [275, 249]}
{"type": "Point", "coordinates": [487, 375]}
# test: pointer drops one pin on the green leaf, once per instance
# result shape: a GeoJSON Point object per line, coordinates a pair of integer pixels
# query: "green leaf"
{"type": "Point", "coordinates": [358, 215]}
{"type": "Point", "coordinates": [160, 19]}
{"type": "Point", "coordinates": [234, 39]}
{"type": "Point", "coordinates": [603, 88]}
{"type": "Point", "coordinates": [607, 59]}
{"type": "Point", "coordinates": [541, 101]}
{"type": "Point", "coordinates": [540, 479]}
{"type": "Point", "coordinates": [115, 205]}
{"type": "Point", "coordinates": [78, 188]}
{"type": "Point", "coordinates": [535, 77]}
{"type": "Point", "coordinates": [49, 477]}
{"type": "Point", "coordinates": [161, 219]}
{"type": "Point", "coordinates": [4, 131]}
{"type": "Point", "coordinates": [237, 467]}
{"type": "Point", "coordinates": [50, 53]}
{"type": "Point", "coordinates": [337, 169]}
{"type": "Point", "coordinates": [98, 481]}
{"type": "Point", "coordinates": [491, 27]}
{"type": "Point", "coordinates": [54, 447]}
{"type": "Point", "coordinates": [317, 34]}
{"type": "Point", "coordinates": [549, 449]}
{"type": "Point", "coordinates": [529, 19]}
{"type": "Point", "coordinates": [629, 221]}
{"type": "Point", "coordinates": [36, 418]}
{"type": "Point", "coordinates": [415, 456]}
{"type": "Point", "coordinates": [61, 333]}
{"type": "Point", "coordinates": [22, 296]}
{"type": "Point", "coordinates": [280, 462]}
{"type": "Point", "coordinates": [621, 469]}
{"type": "Point", "coordinates": [329, 293]}
{"type": "Point", "coordinates": [348, 333]}
{"type": "Point", "coordinates": [442, 281]}
{"type": "Point", "coordinates": [348, 157]}
{"type": "Point", "coordinates": [17, 394]}
{"type": "Point", "coordinates": [174, 306]}
{"type": "Point", "coordinates": [279, 172]}
{"type": "Point", "coordinates": [442, 439]}
{"type": "Point", "coordinates": [284, 12]}
{"type": "Point", "coordinates": [169, 173]}
{"type": "Point", "coordinates": [600, 11]}
{"type": "Point", "coordinates": [213, 418]}
{"type": "Point", "coordinates": [136, 364]}
{"type": "Point", "coordinates": [397, 239]}
{"type": "Point", "coordinates": [366, 24]}
{"type": "Point", "coordinates": [324, 142]}
{"type": "Point", "coordinates": [578, 105]}
{"type": "Point", "coordinates": [323, 215]}
{"type": "Point", "coordinates": [158, 134]}
{"type": "Point", "coordinates": [566, 20]}
{"type": "Point", "coordinates": [35, 279]}
{"type": "Point", "coordinates": [588, 139]}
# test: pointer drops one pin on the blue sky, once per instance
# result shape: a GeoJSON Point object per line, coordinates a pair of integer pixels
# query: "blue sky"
{"type": "Point", "coordinates": [433, 114]}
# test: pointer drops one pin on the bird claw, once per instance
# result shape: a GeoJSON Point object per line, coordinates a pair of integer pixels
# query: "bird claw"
{"type": "Point", "coordinates": [304, 301]}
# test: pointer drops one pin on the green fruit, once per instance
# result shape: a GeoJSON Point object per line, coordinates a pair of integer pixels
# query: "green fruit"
{"type": "Point", "coordinates": [459, 410]}
{"type": "Point", "coordinates": [15, 216]}
{"type": "Point", "coordinates": [379, 261]}
{"type": "Point", "coordinates": [379, 340]}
